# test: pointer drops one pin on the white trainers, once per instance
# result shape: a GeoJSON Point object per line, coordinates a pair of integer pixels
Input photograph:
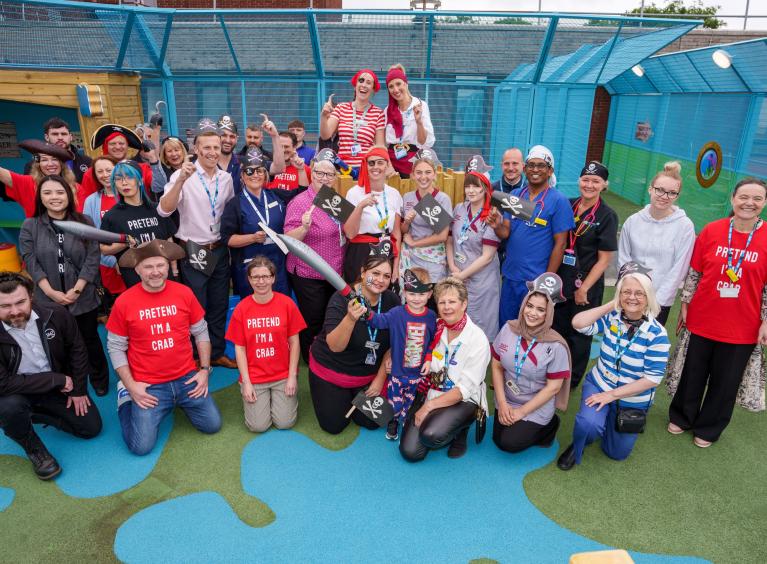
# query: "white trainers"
{"type": "Point", "coordinates": [122, 394]}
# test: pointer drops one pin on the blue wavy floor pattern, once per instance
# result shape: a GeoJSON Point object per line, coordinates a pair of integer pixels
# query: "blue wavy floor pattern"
{"type": "Point", "coordinates": [363, 504]}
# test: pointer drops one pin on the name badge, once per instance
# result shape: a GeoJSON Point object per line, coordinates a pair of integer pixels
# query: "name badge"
{"type": "Point", "coordinates": [541, 222]}
{"type": "Point", "coordinates": [400, 152]}
{"type": "Point", "coordinates": [356, 149]}
{"type": "Point", "coordinates": [459, 258]}
{"type": "Point", "coordinates": [729, 292]}
{"type": "Point", "coordinates": [568, 259]}
{"type": "Point", "coordinates": [732, 275]}
{"type": "Point", "coordinates": [271, 204]}
{"type": "Point", "coordinates": [437, 355]}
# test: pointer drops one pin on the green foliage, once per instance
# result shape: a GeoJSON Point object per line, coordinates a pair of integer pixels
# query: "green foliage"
{"type": "Point", "coordinates": [695, 10]}
{"type": "Point", "coordinates": [513, 21]}
{"type": "Point", "coordinates": [459, 20]}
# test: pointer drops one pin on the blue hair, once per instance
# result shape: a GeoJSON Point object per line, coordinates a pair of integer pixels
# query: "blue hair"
{"type": "Point", "coordinates": [125, 170]}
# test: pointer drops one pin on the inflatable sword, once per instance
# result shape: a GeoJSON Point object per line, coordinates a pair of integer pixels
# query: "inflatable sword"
{"type": "Point", "coordinates": [89, 232]}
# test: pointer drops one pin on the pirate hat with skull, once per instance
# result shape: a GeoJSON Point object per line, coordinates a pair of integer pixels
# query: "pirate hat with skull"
{"type": "Point", "coordinates": [428, 154]}
{"type": "Point", "coordinates": [254, 157]}
{"type": "Point", "coordinates": [382, 249]}
{"type": "Point", "coordinates": [205, 125]}
{"type": "Point", "coordinates": [477, 164]}
{"type": "Point", "coordinates": [226, 122]}
{"type": "Point", "coordinates": [548, 284]}
{"type": "Point", "coordinates": [411, 283]}
{"type": "Point", "coordinates": [633, 268]}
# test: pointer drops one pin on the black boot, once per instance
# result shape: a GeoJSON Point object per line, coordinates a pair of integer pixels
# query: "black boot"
{"type": "Point", "coordinates": [458, 447]}
{"type": "Point", "coordinates": [567, 459]}
{"type": "Point", "coordinates": [43, 462]}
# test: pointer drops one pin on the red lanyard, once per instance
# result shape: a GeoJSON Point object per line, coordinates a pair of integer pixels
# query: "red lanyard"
{"type": "Point", "coordinates": [584, 224]}
{"type": "Point", "coordinates": [542, 201]}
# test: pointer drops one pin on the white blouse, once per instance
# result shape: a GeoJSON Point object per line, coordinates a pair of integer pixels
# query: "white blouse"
{"type": "Point", "coordinates": [409, 127]}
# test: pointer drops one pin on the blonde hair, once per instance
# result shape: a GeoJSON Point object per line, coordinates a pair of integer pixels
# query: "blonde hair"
{"type": "Point", "coordinates": [422, 274]}
{"type": "Point", "coordinates": [175, 143]}
{"type": "Point", "coordinates": [451, 283]}
{"type": "Point", "coordinates": [673, 170]}
{"type": "Point", "coordinates": [428, 161]}
{"type": "Point", "coordinates": [653, 307]}
{"type": "Point", "coordinates": [66, 173]}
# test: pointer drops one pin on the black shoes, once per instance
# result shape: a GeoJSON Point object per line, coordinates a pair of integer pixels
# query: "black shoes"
{"type": "Point", "coordinates": [101, 391]}
{"type": "Point", "coordinates": [391, 430]}
{"type": "Point", "coordinates": [567, 459]}
{"type": "Point", "coordinates": [458, 447]}
{"type": "Point", "coordinates": [44, 464]}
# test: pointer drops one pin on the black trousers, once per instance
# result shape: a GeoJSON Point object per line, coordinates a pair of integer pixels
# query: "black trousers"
{"type": "Point", "coordinates": [707, 389]}
{"type": "Point", "coordinates": [213, 294]}
{"type": "Point", "coordinates": [663, 315]}
{"type": "Point", "coordinates": [313, 297]}
{"type": "Point", "coordinates": [331, 404]}
{"type": "Point", "coordinates": [580, 345]}
{"type": "Point", "coordinates": [88, 325]}
{"type": "Point", "coordinates": [19, 411]}
{"type": "Point", "coordinates": [524, 434]}
{"type": "Point", "coordinates": [437, 430]}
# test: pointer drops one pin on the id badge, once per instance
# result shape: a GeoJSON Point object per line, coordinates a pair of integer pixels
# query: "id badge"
{"type": "Point", "coordinates": [356, 149]}
{"type": "Point", "coordinates": [568, 259]}
{"type": "Point", "coordinates": [459, 258]}
{"type": "Point", "coordinates": [268, 241]}
{"type": "Point", "coordinates": [400, 152]}
{"type": "Point", "coordinates": [370, 359]}
{"type": "Point", "coordinates": [215, 228]}
{"type": "Point", "coordinates": [729, 291]}
{"type": "Point", "coordinates": [541, 222]}
{"type": "Point", "coordinates": [732, 275]}
{"type": "Point", "coordinates": [512, 385]}
{"type": "Point", "coordinates": [382, 223]}
{"type": "Point", "coordinates": [372, 345]}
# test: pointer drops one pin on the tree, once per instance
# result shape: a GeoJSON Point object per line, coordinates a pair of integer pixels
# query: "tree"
{"type": "Point", "coordinates": [513, 21]}
{"type": "Point", "coordinates": [695, 10]}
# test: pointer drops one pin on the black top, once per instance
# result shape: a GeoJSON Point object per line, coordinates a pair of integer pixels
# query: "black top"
{"type": "Point", "coordinates": [351, 361]}
{"type": "Point", "coordinates": [601, 235]}
{"type": "Point", "coordinates": [140, 222]}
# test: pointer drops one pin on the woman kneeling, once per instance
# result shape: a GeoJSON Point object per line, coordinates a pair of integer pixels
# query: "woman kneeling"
{"type": "Point", "coordinates": [632, 362]}
{"type": "Point", "coordinates": [460, 357]}
{"type": "Point", "coordinates": [264, 329]}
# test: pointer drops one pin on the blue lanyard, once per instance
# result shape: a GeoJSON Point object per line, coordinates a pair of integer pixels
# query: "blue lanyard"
{"type": "Point", "coordinates": [213, 199]}
{"type": "Point", "coordinates": [449, 358]}
{"type": "Point", "coordinates": [735, 276]}
{"type": "Point", "coordinates": [620, 351]}
{"type": "Point", "coordinates": [372, 333]}
{"type": "Point", "coordinates": [355, 127]}
{"type": "Point", "coordinates": [253, 205]}
{"type": "Point", "coordinates": [384, 217]}
{"type": "Point", "coordinates": [519, 363]}
{"type": "Point", "coordinates": [466, 224]}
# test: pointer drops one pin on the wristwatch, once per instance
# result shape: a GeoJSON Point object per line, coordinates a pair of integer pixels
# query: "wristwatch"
{"type": "Point", "coordinates": [78, 291]}
{"type": "Point", "coordinates": [208, 368]}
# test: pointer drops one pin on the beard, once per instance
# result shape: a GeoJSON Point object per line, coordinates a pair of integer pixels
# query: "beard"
{"type": "Point", "coordinates": [19, 321]}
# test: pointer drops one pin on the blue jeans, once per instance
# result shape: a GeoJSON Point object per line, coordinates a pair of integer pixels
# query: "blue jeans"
{"type": "Point", "coordinates": [591, 424]}
{"type": "Point", "coordinates": [140, 426]}
{"type": "Point", "coordinates": [512, 294]}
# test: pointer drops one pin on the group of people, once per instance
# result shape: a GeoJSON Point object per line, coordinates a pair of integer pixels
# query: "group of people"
{"type": "Point", "coordinates": [426, 311]}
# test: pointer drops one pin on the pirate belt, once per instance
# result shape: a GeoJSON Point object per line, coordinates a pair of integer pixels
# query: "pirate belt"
{"type": "Point", "coordinates": [207, 246]}
{"type": "Point", "coordinates": [375, 239]}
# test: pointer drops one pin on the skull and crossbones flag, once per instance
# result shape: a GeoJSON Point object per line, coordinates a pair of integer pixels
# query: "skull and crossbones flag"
{"type": "Point", "coordinates": [200, 258]}
{"type": "Point", "coordinates": [377, 409]}
{"type": "Point", "coordinates": [435, 216]}
{"type": "Point", "coordinates": [333, 204]}
{"type": "Point", "coordinates": [520, 208]}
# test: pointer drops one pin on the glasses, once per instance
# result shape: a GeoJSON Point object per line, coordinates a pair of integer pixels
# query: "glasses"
{"type": "Point", "coordinates": [261, 277]}
{"type": "Point", "coordinates": [377, 162]}
{"type": "Point", "coordinates": [319, 174]}
{"type": "Point", "coordinates": [536, 166]}
{"type": "Point", "coordinates": [661, 193]}
{"type": "Point", "coordinates": [640, 295]}
{"type": "Point", "coordinates": [251, 170]}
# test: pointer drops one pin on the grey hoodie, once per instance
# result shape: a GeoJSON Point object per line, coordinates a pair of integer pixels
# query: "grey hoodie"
{"type": "Point", "coordinates": [662, 245]}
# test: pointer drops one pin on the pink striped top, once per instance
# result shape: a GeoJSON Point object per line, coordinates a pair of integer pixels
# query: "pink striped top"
{"type": "Point", "coordinates": [367, 125]}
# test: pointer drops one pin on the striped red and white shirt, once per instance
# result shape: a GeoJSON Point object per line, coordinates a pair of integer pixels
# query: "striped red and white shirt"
{"type": "Point", "coordinates": [368, 122]}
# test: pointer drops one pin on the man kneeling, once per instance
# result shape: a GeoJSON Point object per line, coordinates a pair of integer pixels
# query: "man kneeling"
{"type": "Point", "coordinates": [40, 347]}
{"type": "Point", "coordinates": [148, 342]}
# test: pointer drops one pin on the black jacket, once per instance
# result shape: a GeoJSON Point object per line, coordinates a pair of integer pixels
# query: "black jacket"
{"type": "Point", "coordinates": [64, 347]}
{"type": "Point", "coordinates": [80, 164]}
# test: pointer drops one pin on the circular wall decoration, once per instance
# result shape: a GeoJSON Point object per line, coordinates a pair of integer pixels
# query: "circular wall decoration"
{"type": "Point", "coordinates": [709, 164]}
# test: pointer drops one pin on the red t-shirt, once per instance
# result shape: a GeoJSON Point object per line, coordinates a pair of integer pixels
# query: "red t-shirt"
{"type": "Point", "coordinates": [23, 190]}
{"type": "Point", "coordinates": [263, 329]}
{"type": "Point", "coordinates": [157, 326]}
{"type": "Point", "coordinates": [367, 126]}
{"type": "Point", "coordinates": [288, 180]}
{"type": "Point", "coordinates": [728, 320]}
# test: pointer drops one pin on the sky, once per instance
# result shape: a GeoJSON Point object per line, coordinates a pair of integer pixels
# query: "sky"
{"type": "Point", "coordinates": [757, 7]}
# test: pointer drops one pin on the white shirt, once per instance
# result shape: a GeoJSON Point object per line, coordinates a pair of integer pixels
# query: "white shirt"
{"type": "Point", "coordinates": [472, 356]}
{"type": "Point", "coordinates": [390, 199]}
{"type": "Point", "coordinates": [198, 220]}
{"type": "Point", "coordinates": [410, 128]}
{"type": "Point", "coordinates": [33, 357]}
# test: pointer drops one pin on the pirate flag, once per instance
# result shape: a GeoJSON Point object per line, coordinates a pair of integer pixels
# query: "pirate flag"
{"type": "Point", "coordinates": [333, 204]}
{"type": "Point", "coordinates": [517, 207]}
{"type": "Point", "coordinates": [435, 216]}
{"type": "Point", "coordinates": [200, 258]}
{"type": "Point", "coordinates": [377, 409]}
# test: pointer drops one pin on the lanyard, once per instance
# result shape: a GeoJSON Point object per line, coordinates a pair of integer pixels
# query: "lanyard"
{"type": "Point", "coordinates": [213, 199]}
{"type": "Point", "coordinates": [541, 200]}
{"type": "Point", "coordinates": [620, 351]}
{"type": "Point", "coordinates": [372, 333]}
{"type": "Point", "coordinates": [466, 224]}
{"type": "Point", "coordinates": [255, 209]}
{"type": "Point", "coordinates": [519, 363]}
{"type": "Point", "coordinates": [384, 217]}
{"type": "Point", "coordinates": [449, 358]}
{"type": "Point", "coordinates": [732, 271]}
{"type": "Point", "coordinates": [584, 224]}
{"type": "Point", "coordinates": [356, 127]}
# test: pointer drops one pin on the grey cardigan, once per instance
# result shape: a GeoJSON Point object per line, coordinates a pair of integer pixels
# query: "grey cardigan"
{"type": "Point", "coordinates": [39, 250]}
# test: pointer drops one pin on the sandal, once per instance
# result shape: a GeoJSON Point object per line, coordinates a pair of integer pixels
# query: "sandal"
{"type": "Point", "coordinates": [702, 443]}
{"type": "Point", "coordinates": [674, 429]}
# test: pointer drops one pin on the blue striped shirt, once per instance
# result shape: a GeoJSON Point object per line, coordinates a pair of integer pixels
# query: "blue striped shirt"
{"type": "Point", "coordinates": [643, 356]}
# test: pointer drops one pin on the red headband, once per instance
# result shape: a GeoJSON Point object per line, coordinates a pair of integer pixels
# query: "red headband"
{"type": "Point", "coordinates": [109, 138]}
{"type": "Point", "coordinates": [363, 179]}
{"type": "Point", "coordinates": [376, 84]}
{"type": "Point", "coordinates": [393, 115]}
{"type": "Point", "coordinates": [488, 190]}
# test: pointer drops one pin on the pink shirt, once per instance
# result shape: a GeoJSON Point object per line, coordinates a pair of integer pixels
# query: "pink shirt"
{"type": "Point", "coordinates": [325, 236]}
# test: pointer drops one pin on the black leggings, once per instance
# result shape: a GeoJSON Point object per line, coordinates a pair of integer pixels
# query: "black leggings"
{"type": "Point", "coordinates": [523, 434]}
{"type": "Point", "coordinates": [313, 297]}
{"type": "Point", "coordinates": [331, 403]}
{"type": "Point", "coordinates": [88, 325]}
{"type": "Point", "coordinates": [437, 430]}
{"type": "Point", "coordinates": [663, 315]}
{"type": "Point", "coordinates": [19, 411]}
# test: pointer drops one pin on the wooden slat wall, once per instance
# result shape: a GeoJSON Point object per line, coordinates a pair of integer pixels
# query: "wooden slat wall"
{"type": "Point", "coordinates": [120, 93]}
